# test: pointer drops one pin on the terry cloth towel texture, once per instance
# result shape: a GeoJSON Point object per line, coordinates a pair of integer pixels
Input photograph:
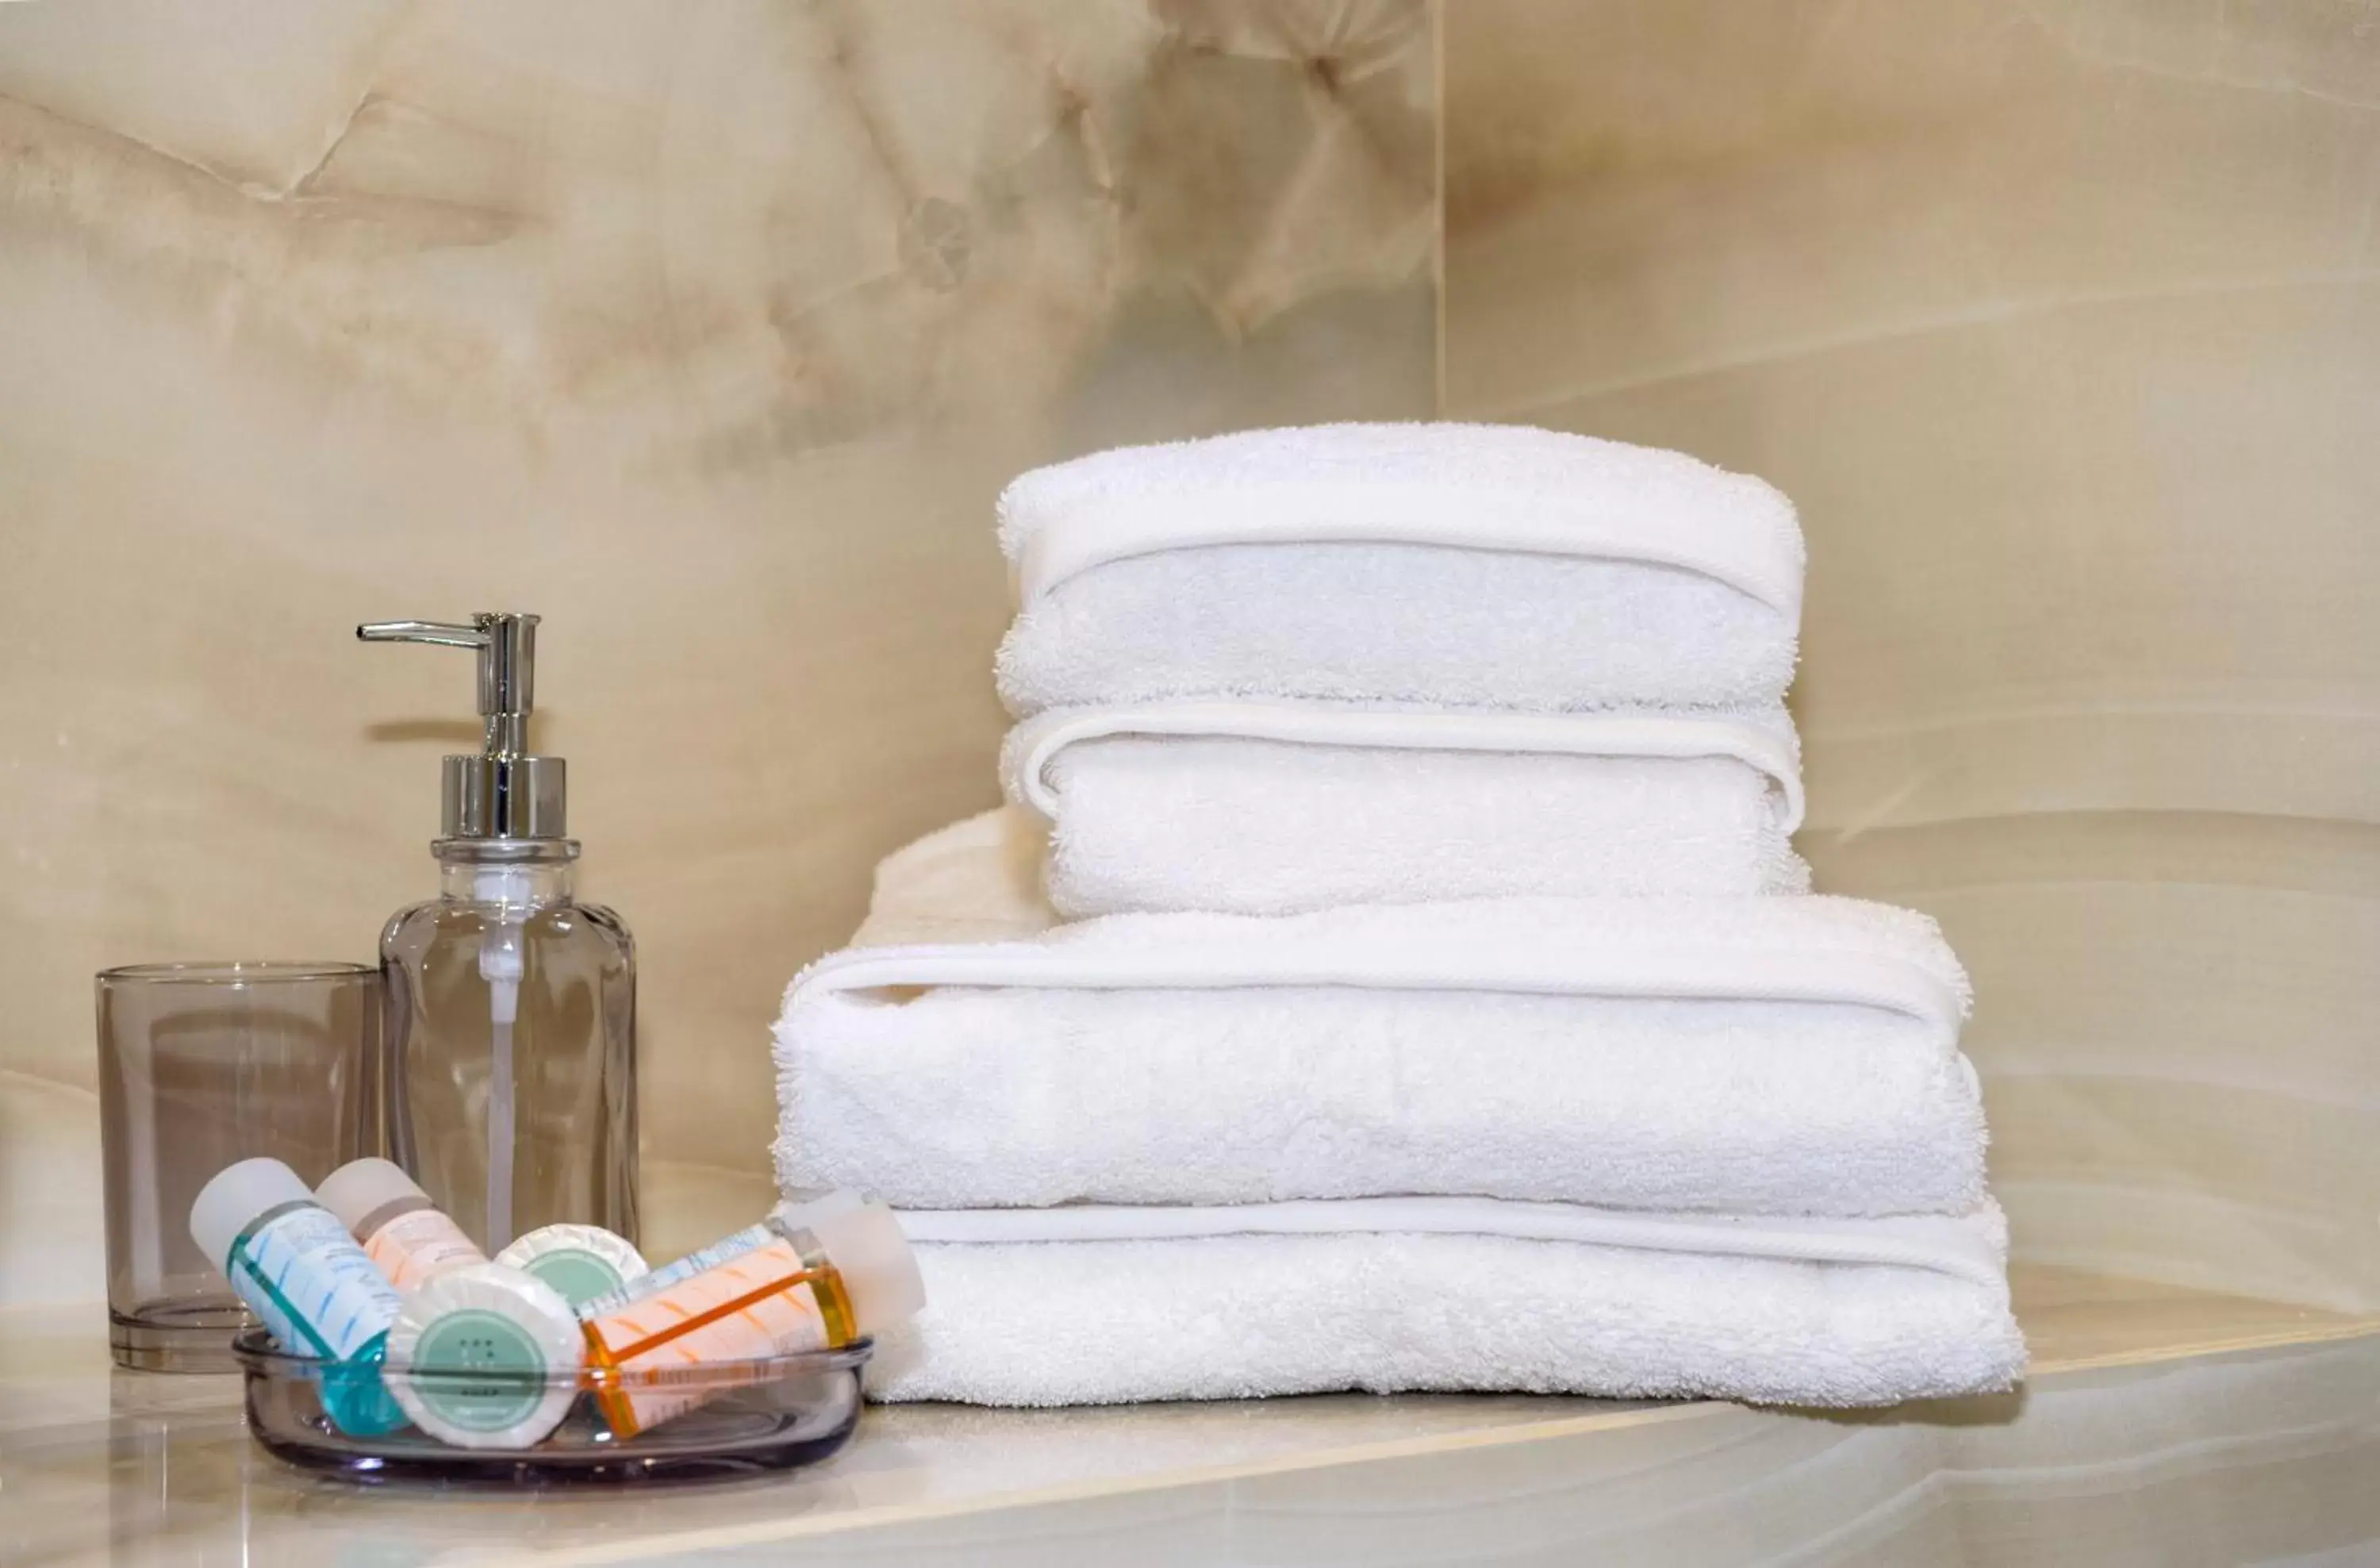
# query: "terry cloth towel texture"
{"type": "Point", "coordinates": [1444, 564]}
{"type": "Point", "coordinates": [1442, 1009]}
{"type": "Point", "coordinates": [1436, 1295]}
{"type": "Point", "coordinates": [1780, 1056]}
{"type": "Point", "coordinates": [1273, 808]}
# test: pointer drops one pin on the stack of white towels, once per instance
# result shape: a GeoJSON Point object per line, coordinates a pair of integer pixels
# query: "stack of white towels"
{"type": "Point", "coordinates": [1393, 971]}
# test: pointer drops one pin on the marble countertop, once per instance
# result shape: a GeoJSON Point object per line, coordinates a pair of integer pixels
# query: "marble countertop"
{"type": "Point", "coordinates": [102, 1465]}
{"type": "Point", "coordinates": [98, 1465]}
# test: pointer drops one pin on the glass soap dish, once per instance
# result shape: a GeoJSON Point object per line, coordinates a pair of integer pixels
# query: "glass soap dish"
{"type": "Point", "coordinates": [756, 1417]}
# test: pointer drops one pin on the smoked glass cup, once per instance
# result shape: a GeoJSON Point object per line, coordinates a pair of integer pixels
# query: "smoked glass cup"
{"type": "Point", "coordinates": [200, 1065]}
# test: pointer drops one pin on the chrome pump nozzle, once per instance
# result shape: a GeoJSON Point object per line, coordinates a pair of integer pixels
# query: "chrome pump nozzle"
{"type": "Point", "coordinates": [504, 792]}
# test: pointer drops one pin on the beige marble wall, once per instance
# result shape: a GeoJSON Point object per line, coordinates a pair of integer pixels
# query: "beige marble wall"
{"type": "Point", "coordinates": [707, 332]}
{"type": "Point", "coordinates": [2061, 322]}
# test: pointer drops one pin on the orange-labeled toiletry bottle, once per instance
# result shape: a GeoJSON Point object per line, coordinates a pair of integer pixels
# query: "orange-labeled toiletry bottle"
{"type": "Point", "coordinates": [810, 1277]}
{"type": "Point", "coordinates": [412, 1241]}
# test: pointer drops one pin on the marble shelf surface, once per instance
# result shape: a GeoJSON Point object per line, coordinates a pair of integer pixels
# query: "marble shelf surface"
{"type": "Point", "coordinates": [2135, 1388]}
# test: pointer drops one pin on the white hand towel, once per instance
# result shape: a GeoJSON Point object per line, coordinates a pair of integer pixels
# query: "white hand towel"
{"type": "Point", "coordinates": [1472, 565]}
{"type": "Point", "coordinates": [1273, 808]}
{"type": "Point", "coordinates": [1098, 1305]}
{"type": "Point", "coordinates": [1777, 1055]}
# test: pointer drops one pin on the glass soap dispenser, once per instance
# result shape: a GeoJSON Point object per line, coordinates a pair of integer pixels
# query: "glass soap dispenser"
{"type": "Point", "coordinates": [508, 1088]}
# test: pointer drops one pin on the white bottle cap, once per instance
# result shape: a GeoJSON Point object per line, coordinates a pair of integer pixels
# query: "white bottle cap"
{"type": "Point", "coordinates": [581, 1262]}
{"type": "Point", "coordinates": [485, 1356]}
{"type": "Point", "coordinates": [361, 1188]}
{"type": "Point", "coordinates": [230, 1202]}
{"type": "Point", "coordinates": [880, 1272]}
{"type": "Point", "coordinates": [799, 1210]}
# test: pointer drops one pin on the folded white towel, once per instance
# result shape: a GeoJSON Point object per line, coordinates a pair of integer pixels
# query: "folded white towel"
{"type": "Point", "coordinates": [1777, 1055]}
{"type": "Point", "coordinates": [1474, 565]}
{"type": "Point", "coordinates": [1271, 807]}
{"type": "Point", "coordinates": [1097, 1306]}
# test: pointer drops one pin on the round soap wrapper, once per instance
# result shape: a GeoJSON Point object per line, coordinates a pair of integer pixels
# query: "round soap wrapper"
{"type": "Point", "coordinates": [580, 1262]}
{"type": "Point", "coordinates": [515, 1332]}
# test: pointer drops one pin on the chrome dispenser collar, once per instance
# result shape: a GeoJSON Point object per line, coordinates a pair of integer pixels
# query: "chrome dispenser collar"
{"type": "Point", "coordinates": [504, 792]}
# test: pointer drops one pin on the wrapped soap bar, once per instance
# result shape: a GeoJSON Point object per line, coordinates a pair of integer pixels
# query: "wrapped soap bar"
{"type": "Point", "coordinates": [485, 1356]}
{"type": "Point", "coordinates": [581, 1262]}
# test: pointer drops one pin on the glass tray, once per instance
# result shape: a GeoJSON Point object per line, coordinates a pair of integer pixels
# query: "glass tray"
{"type": "Point", "coordinates": [756, 1416]}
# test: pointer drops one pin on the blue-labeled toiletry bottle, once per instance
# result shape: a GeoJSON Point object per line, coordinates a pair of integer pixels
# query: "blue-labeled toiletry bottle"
{"type": "Point", "coordinates": [508, 1085]}
{"type": "Point", "coordinates": [295, 1266]}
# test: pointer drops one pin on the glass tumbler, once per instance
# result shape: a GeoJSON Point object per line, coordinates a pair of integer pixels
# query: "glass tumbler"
{"type": "Point", "coordinates": [200, 1065]}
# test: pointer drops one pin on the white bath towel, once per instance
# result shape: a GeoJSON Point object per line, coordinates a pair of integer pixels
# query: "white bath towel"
{"type": "Point", "coordinates": [1271, 807]}
{"type": "Point", "coordinates": [1778, 1056]}
{"type": "Point", "coordinates": [1473, 566]}
{"type": "Point", "coordinates": [1098, 1306]}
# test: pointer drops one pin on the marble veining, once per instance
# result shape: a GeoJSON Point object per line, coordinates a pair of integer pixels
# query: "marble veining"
{"type": "Point", "coordinates": [803, 225]}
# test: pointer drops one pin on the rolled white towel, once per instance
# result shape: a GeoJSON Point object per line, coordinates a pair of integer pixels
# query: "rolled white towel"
{"type": "Point", "coordinates": [1273, 808]}
{"type": "Point", "coordinates": [1467, 566]}
{"type": "Point", "coordinates": [1792, 1055]}
{"type": "Point", "coordinates": [1103, 1305]}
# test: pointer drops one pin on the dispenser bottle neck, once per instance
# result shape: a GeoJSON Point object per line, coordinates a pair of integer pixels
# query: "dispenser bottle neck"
{"type": "Point", "coordinates": [517, 873]}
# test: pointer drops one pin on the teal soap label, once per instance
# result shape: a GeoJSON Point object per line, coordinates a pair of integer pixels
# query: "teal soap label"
{"type": "Point", "coordinates": [577, 1275]}
{"type": "Point", "coordinates": [478, 1370]}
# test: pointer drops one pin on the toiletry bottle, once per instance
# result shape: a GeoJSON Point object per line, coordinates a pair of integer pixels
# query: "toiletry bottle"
{"type": "Point", "coordinates": [806, 1279]}
{"type": "Point", "coordinates": [299, 1272]}
{"type": "Point", "coordinates": [509, 1082]}
{"type": "Point", "coordinates": [792, 1215]}
{"type": "Point", "coordinates": [408, 1238]}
